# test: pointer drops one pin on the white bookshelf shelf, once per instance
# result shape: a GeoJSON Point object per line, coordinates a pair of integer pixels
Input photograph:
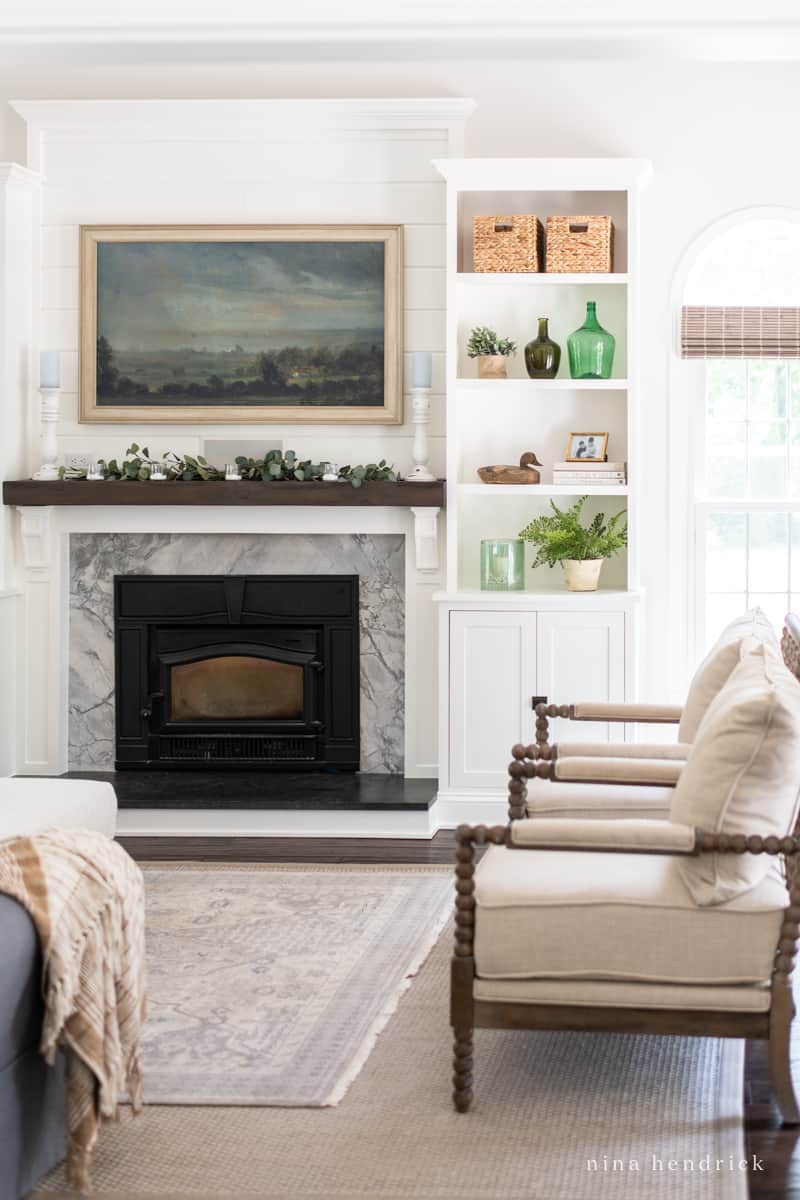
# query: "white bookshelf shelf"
{"type": "Point", "coordinates": [493, 491]}
{"type": "Point", "coordinates": [537, 279]}
{"type": "Point", "coordinates": [554, 597]}
{"type": "Point", "coordinates": [544, 385]}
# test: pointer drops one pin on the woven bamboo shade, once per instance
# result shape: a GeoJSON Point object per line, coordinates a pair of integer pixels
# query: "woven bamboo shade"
{"type": "Point", "coordinates": [709, 332]}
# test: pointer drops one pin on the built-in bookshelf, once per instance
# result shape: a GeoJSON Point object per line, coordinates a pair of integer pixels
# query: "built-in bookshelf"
{"type": "Point", "coordinates": [592, 636]}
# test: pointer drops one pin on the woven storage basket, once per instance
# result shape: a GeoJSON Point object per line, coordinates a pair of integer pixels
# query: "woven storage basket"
{"type": "Point", "coordinates": [577, 245]}
{"type": "Point", "coordinates": [507, 243]}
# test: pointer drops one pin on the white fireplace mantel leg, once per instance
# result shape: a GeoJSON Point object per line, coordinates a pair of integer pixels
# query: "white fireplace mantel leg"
{"type": "Point", "coordinates": [426, 538]}
{"type": "Point", "coordinates": [42, 679]}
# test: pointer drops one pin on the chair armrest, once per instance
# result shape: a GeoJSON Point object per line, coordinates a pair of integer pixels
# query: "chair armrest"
{"type": "Point", "coordinates": [652, 772]}
{"type": "Point", "coordinates": [673, 751]}
{"type": "Point", "coordinates": [659, 837]}
{"type": "Point", "coordinates": [653, 714]}
{"type": "Point", "coordinates": [590, 710]}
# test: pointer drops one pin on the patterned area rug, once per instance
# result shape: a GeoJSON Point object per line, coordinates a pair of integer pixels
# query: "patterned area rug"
{"type": "Point", "coordinates": [269, 985]}
{"type": "Point", "coordinates": [553, 1114]}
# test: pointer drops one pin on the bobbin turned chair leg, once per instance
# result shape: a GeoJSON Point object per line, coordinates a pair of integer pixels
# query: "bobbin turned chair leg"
{"type": "Point", "coordinates": [782, 1010]}
{"type": "Point", "coordinates": [780, 1055]}
{"type": "Point", "coordinates": [462, 965]}
{"type": "Point", "coordinates": [462, 1068]}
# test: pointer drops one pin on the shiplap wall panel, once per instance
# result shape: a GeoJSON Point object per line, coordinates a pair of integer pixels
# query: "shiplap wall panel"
{"type": "Point", "coordinates": [266, 202]}
{"type": "Point", "coordinates": [149, 172]}
{"type": "Point", "coordinates": [320, 161]}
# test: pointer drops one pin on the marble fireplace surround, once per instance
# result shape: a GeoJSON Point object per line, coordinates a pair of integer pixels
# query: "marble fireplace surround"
{"type": "Point", "coordinates": [377, 559]}
{"type": "Point", "coordinates": [407, 565]}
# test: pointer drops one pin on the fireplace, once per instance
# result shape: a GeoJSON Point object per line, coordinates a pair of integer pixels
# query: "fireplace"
{"type": "Point", "coordinates": [247, 671]}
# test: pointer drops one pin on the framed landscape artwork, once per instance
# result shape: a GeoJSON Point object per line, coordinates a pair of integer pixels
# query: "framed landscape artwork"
{"type": "Point", "coordinates": [246, 324]}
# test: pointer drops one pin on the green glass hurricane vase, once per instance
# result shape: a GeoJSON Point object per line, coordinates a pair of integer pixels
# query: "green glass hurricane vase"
{"type": "Point", "coordinates": [591, 348]}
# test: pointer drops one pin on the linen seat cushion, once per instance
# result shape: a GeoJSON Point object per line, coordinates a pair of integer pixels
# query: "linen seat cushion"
{"type": "Point", "coordinates": [719, 663]}
{"type": "Point", "coordinates": [543, 914]}
{"type": "Point", "coordinates": [743, 774]}
{"type": "Point", "coordinates": [548, 798]}
{"type": "Point", "coordinates": [602, 993]}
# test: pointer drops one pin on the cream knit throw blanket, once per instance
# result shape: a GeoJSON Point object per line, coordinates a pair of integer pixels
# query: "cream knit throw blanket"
{"type": "Point", "coordinates": [86, 898]}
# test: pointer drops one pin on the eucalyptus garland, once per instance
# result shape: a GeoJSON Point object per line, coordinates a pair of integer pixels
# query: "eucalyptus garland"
{"type": "Point", "coordinates": [273, 467]}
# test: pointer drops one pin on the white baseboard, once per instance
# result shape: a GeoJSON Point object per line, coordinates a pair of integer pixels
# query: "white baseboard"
{"type": "Point", "coordinates": [451, 809]}
{"type": "Point", "coordinates": [296, 823]}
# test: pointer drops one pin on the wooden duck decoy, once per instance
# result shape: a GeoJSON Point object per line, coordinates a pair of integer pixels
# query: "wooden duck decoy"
{"type": "Point", "coordinates": [525, 473]}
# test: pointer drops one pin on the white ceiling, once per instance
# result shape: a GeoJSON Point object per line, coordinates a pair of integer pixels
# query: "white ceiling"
{"type": "Point", "coordinates": [157, 30]}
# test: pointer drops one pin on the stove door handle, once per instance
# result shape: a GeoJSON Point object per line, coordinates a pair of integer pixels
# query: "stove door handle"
{"type": "Point", "coordinates": [147, 711]}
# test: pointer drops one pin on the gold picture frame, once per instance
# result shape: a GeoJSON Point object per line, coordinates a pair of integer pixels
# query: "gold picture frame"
{"type": "Point", "coordinates": [159, 392]}
{"type": "Point", "coordinates": [590, 444]}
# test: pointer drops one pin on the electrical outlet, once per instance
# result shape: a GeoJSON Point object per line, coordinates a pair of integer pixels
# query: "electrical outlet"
{"type": "Point", "coordinates": [78, 462]}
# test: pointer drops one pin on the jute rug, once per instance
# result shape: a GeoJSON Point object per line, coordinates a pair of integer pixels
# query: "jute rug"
{"type": "Point", "coordinates": [269, 985]}
{"type": "Point", "coordinates": [551, 1114]}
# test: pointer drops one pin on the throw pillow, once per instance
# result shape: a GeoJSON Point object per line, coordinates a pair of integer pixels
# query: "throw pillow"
{"type": "Point", "coordinates": [716, 667]}
{"type": "Point", "coordinates": [743, 773]}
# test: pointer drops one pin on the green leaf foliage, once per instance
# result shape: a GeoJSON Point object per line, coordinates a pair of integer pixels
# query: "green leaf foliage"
{"type": "Point", "coordinates": [483, 340]}
{"type": "Point", "coordinates": [274, 466]}
{"type": "Point", "coordinates": [563, 535]}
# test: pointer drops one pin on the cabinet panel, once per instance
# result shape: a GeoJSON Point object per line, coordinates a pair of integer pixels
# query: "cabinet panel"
{"type": "Point", "coordinates": [581, 656]}
{"type": "Point", "coordinates": [492, 676]}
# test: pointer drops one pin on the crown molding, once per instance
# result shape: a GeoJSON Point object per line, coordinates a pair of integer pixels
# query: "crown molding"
{"type": "Point", "coordinates": [705, 30]}
{"type": "Point", "coordinates": [536, 174]}
{"type": "Point", "coordinates": [180, 120]}
{"type": "Point", "coordinates": [14, 175]}
{"type": "Point", "coordinates": [434, 112]}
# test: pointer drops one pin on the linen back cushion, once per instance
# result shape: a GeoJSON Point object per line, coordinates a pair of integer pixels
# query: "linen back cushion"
{"type": "Point", "coordinates": [743, 772]}
{"type": "Point", "coordinates": [717, 665]}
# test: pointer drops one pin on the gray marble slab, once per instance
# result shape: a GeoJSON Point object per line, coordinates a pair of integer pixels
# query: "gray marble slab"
{"type": "Point", "coordinates": [378, 560]}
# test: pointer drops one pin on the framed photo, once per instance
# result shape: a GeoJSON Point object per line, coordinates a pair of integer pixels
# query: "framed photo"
{"type": "Point", "coordinates": [587, 447]}
{"type": "Point", "coordinates": [242, 324]}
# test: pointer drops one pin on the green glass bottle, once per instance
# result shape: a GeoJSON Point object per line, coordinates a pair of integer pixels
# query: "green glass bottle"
{"type": "Point", "coordinates": [542, 355]}
{"type": "Point", "coordinates": [591, 348]}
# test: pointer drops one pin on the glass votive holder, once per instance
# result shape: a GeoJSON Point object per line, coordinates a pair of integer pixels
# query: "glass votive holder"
{"type": "Point", "coordinates": [330, 472]}
{"type": "Point", "coordinates": [95, 471]}
{"type": "Point", "coordinates": [503, 565]}
{"type": "Point", "coordinates": [157, 473]}
{"type": "Point", "coordinates": [232, 473]}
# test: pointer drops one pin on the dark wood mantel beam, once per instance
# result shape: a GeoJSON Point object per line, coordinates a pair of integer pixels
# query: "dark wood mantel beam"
{"type": "Point", "coordinates": [377, 494]}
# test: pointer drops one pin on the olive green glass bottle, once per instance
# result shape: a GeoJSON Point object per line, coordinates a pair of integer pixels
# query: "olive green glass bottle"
{"type": "Point", "coordinates": [542, 355]}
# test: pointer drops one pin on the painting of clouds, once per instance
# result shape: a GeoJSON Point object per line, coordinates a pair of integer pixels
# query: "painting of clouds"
{"type": "Point", "coordinates": [254, 324]}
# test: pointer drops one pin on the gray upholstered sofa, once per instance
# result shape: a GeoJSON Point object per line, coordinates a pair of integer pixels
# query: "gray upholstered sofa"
{"type": "Point", "coordinates": [32, 1138]}
{"type": "Point", "coordinates": [31, 1093]}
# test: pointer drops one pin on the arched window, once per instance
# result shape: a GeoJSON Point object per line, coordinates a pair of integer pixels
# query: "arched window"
{"type": "Point", "coordinates": [740, 335]}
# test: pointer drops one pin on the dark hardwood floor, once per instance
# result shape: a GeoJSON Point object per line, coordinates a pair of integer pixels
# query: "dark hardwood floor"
{"type": "Point", "coordinates": [777, 1148]}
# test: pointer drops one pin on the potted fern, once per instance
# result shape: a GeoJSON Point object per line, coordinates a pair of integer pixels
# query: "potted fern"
{"type": "Point", "coordinates": [490, 351]}
{"type": "Point", "coordinates": [581, 549]}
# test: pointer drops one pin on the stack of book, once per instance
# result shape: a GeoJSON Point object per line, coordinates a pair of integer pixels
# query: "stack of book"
{"type": "Point", "coordinates": [590, 474]}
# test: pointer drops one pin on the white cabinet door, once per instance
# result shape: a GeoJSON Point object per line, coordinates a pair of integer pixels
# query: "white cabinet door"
{"type": "Point", "coordinates": [581, 656]}
{"type": "Point", "coordinates": [492, 679]}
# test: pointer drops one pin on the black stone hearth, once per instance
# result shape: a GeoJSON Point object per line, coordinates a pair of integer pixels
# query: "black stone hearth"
{"type": "Point", "coordinates": [255, 789]}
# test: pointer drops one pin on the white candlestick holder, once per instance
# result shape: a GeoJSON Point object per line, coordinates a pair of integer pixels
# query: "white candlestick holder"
{"type": "Point", "coordinates": [421, 419]}
{"type": "Point", "coordinates": [48, 442]}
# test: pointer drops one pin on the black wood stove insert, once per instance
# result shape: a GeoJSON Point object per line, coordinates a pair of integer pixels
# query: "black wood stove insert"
{"type": "Point", "coordinates": [243, 671]}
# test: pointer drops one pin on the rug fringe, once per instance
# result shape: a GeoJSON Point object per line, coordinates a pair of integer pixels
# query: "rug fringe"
{"type": "Point", "coordinates": [359, 1060]}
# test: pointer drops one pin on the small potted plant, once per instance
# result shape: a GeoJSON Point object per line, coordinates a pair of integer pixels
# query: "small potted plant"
{"type": "Point", "coordinates": [490, 351]}
{"type": "Point", "coordinates": [581, 549]}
